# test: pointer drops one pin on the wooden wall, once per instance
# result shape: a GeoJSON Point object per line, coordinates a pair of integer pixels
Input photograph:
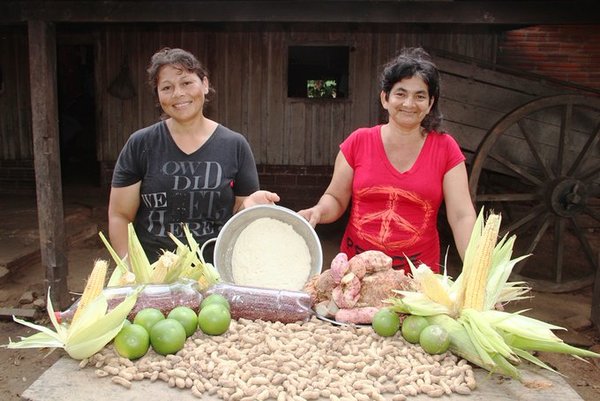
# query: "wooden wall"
{"type": "Point", "coordinates": [15, 111]}
{"type": "Point", "coordinates": [248, 69]}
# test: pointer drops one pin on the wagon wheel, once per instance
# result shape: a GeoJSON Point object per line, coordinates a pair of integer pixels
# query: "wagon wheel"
{"type": "Point", "coordinates": [539, 166]}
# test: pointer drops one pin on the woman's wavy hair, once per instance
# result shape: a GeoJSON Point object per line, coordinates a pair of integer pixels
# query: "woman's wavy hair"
{"type": "Point", "coordinates": [415, 61]}
{"type": "Point", "coordinates": [177, 58]}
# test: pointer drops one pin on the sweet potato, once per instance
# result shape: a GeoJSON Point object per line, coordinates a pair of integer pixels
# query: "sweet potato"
{"type": "Point", "coordinates": [320, 287]}
{"type": "Point", "coordinates": [362, 315]}
{"type": "Point", "coordinates": [347, 293]}
{"type": "Point", "coordinates": [380, 285]}
{"type": "Point", "coordinates": [339, 267]}
{"type": "Point", "coordinates": [370, 262]}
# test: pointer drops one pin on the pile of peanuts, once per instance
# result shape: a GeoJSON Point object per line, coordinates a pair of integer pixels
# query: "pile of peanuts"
{"type": "Point", "coordinates": [310, 360]}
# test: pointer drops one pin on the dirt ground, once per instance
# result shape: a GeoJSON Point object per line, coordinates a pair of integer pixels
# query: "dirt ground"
{"type": "Point", "coordinates": [20, 368]}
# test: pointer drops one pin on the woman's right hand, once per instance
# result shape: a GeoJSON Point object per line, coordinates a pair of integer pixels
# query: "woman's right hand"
{"type": "Point", "coordinates": [312, 215]}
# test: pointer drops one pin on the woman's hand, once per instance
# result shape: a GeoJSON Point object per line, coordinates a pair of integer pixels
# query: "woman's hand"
{"type": "Point", "coordinates": [260, 197]}
{"type": "Point", "coordinates": [312, 215]}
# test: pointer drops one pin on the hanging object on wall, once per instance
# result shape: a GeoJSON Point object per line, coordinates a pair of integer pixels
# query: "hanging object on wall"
{"type": "Point", "coordinates": [122, 86]}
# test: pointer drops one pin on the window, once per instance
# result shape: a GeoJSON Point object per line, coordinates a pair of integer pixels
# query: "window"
{"type": "Point", "coordinates": [318, 72]}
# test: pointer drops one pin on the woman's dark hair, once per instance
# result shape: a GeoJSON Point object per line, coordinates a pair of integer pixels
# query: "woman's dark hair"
{"type": "Point", "coordinates": [414, 61]}
{"type": "Point", "coordinates": [177, 58]}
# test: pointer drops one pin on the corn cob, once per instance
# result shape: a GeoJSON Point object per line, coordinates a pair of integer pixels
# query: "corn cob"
{"type": "Point", "coordinates": [162, 266]}
{"type": "Point", "coordinates": [93, 287]}
{"type": "Point", "coordinates": [126, 279]}
{"type": "Point", "coordinates": [431, 286]}
{"type": "Point", "coordinates": [477, 278]}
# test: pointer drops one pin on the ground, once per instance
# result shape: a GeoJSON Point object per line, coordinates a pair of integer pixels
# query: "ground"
{"type": "Point", "coordinates": [20, 368]}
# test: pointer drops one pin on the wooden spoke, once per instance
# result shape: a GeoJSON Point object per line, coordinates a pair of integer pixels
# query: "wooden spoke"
{"type": "Point", "coordinates": [507, 197]}
{"type": "Point", "coordinates": [592, 213]}
{"type": "Point", "coordinates": [564, 135]}
{"type": "Point", "coordinates": [585, 152]}
{"type": "Point", "coordinates": [532, 147]}
{"type": "Point", "coordinates": [529, 217]}
{"type": "Point", "coordinates": [559, 232]}
{"type": "Point", "coordinates": [519, 170]}
{"type": "Point", "coordinates": [585, 244]}
{"type": "Point", "coordinates": [536, 240]}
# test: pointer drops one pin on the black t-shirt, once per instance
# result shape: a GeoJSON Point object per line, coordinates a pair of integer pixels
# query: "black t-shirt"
{"type": "Point", "coordinates": [198, 189]}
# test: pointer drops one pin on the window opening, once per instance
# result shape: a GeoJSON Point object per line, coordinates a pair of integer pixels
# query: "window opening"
{"type": "Point", "coordinates": [318, 72]}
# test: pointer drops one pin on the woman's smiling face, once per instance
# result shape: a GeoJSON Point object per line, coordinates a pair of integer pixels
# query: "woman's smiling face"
{"type": "Point", "coordinates": [408, 102]}
{"type": "Point", "coordinates": [181, 93]}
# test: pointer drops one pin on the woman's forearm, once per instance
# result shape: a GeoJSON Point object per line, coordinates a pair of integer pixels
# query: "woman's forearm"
{"type": "Point", "coordinates": [117, 229]}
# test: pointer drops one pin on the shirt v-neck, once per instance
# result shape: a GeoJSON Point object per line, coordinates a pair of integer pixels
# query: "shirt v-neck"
{"type": "Point", "coordinates": [199, 149]}
{"type": "Point", "coordinates": [389, 164]}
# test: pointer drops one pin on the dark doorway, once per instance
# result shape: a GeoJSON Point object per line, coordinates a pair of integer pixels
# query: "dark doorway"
{"type": "Point", "coordinates": [77, 114]}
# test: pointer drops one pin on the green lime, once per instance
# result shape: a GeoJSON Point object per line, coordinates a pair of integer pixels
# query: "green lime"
{"type": "Point", "coordinates": [214, 319]}
{"type": "Point", "coordinates": [386, 322]}
{"type": "Point", "coordinates": [167, 336]}
{"type": "Point", "coordinates": [132, 342]}
{"type": "Point", "coordinates": [187, 317]}
{"type": "Point", "coordinates": [215, 299]}
{"type": "Point", "coordinates": [434, 339]}
{"type": "Point", "coordinates": [412, 327]}
{"type": "Point", "coordinates": [148, 317]}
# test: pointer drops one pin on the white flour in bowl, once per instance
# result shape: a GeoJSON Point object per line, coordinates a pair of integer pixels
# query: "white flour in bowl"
{"type": "Point", "coordinates": [269, 253]}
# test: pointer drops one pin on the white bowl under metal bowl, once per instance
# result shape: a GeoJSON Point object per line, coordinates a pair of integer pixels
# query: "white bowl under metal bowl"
{"type": "Point", "coordinates": [231, 231]}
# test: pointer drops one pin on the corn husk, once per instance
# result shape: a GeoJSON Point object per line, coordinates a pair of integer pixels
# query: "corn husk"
{"type": "Point", "coordinates": [495, 340]}
{"type": "Point", "coordinates": [84, 337]}
{"type": "Point", "coordinates": [185, 262]}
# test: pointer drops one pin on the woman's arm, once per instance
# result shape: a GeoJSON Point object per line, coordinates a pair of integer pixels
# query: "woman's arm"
{"type": "Point", "coordinates": [122, 208]}
{"type": "Point", "coordinates": [459, 206]}
{"type": "Point", "coordinates": [336, 198]}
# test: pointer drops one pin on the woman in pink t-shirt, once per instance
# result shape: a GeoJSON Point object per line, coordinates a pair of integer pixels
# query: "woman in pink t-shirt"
{"type": "Point", "coordinates": [398, 174]}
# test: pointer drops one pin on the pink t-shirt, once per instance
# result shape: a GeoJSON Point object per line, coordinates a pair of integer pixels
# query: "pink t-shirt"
{"type": "Point", "coordinates": [395, 212]}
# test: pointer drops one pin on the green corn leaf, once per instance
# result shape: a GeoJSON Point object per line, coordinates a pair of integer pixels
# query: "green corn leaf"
{"type": "Point", "coordinates": [121, 265]}
{"type": "Point", "coordinates": [504, 367]}
{"type": "Point", "coordinates": [533, 359]}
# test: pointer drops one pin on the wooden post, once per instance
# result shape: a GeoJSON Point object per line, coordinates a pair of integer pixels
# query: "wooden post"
{"type": "Point", "coordinates": [596, 297]}
{"type": "Point", "coordinates": [44, 124]}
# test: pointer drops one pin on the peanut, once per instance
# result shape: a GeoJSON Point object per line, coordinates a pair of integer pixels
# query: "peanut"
{"type": "Point", "coordinates": [297, 361]}
{"type": "Point", "coordinates": [120, 381]}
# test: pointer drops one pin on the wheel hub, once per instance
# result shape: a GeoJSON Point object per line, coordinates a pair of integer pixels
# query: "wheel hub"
{"type": "Point", "coordinates": [567, 196]}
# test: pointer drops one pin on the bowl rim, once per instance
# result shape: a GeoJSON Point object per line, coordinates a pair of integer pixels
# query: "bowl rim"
{"type": "Point", "coordinates": [317, 265]}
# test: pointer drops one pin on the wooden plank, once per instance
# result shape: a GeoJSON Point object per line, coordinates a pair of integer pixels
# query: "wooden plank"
{"type": "Point", "coordinates": [255, 88]}
{"type": "Point", "coordinates": [276, 97]}
{"type": "Point", "coordinates": [482, 72]}
{"type": "Point", "coordinates": [447, 12]}
{"type": "Point", "coordinates": [596, 298]}
{"type": "Point", "coordinates": [44, 110]}
{"type": "Point", "coordinates": [298, 139]}
{"type": "Point", "coordinates": [15, 124]}
{"type": "Point", "coordinates": [23, 313]}
{"type": "Point", "coordinates": [51, 386]}
{"type": "Point", "coordinates": [235, 56]}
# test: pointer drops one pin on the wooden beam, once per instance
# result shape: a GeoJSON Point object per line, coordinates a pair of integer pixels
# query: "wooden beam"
{"type": "Point", "coordinates": [22, 313]}
{"type": "Point", "coordinates": [508, 12]}
{"type": "Point", "coordinates": [44, 124]}
{"type": "Point", "coordinates": [596, 297]}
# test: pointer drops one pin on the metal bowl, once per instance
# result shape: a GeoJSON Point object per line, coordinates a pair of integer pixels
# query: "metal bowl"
{"type": "Point", "coordinates": [231, 230]}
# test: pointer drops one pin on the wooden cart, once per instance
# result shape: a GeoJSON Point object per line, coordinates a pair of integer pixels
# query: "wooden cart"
{"type": "Point", "coordinates": [534, 155]}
